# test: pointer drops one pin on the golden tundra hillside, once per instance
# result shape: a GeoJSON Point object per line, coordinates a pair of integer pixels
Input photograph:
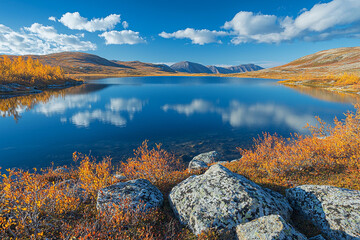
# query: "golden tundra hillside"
{"type": "Point", "coordinates": [315, 66]}
{"type": "Point", "coordinates": [81, 64]}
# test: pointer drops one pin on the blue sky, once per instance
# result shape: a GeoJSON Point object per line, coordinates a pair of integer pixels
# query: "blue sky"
{"type": "Point", "coordinates": [224, 32]}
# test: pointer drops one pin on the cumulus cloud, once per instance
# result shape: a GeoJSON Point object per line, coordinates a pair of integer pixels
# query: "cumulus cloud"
{"type": "Point", "coordinates": [200, 37]}
{"type": "Point", "coordinates": [335, 19]}
{"type": "Point", "coordinates": [52, 19]}
{"type": "Point", "coordinates": [40, 39]}
{"type": "Point", "coordinates": [338, 18]}
{"type": "Point", "coordinates": [125, 24]}
{"type": "Point", "coordinates": [76, 22]}
{"type": "Point", "coordinates": [122, 37]}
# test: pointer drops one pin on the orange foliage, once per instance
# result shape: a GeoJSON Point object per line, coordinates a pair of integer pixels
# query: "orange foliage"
{"type": "Point", "coordinates": [154, 164]}
{"type": "Point", "coordinates": [61, 204]}
{"type": "Point", "coordinates": [29, 71]}
{"type": "Point", "coordinates": [330, 155]}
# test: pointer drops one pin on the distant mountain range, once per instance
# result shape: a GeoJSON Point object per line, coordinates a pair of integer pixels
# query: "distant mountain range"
{"type": "Point", "coordinates": [90, 64]}
{"type": "Point", "coordinates": [191, 67]}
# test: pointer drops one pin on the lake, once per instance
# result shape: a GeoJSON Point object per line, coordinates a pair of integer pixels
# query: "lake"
{"type": "Point", "coordinates": [189, 115]}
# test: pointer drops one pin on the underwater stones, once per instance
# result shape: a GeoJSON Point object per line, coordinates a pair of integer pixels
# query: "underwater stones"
{"type": "Point", "coordinates": [222, 199]}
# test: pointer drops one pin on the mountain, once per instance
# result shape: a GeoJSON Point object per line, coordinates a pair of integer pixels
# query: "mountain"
{"type": "Point", "coordinates": [235, 69]}
{"type": "Point", "coordinates": [215, 69]}
{"type": "Point", "coordinates": [323, 63]}
{"type": "Point", "coordinates": [89, 64]}
{"type": "Point", "coordinates": [245, 68]}
{"type": "Point", "coordinates": [190, 67]}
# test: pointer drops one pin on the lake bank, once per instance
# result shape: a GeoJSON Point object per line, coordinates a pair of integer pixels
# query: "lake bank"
{"type": "Point", "coordinates": [8, 90]}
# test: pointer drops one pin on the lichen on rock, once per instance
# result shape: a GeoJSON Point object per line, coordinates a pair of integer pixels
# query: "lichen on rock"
{"type": "Point", "coordinates": [139, 193]}
{"type": "Point", "coordinates": [222, 199]}
{"type": "Point", "coordinates": [335, 211]}
{"type": "Point", "coordinates": [202, 160]}
{"type": "Point", "coordinates": [272, 227]}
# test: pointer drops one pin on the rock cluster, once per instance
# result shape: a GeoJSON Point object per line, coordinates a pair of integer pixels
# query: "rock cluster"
{"type": "Point", "coordinates": [222, 199]}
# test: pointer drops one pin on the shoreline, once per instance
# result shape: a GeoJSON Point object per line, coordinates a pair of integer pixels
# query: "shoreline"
{"type": "Point", "coordinates": [10, 90]}
{"type": "Point", "coordinates": [14, 89]}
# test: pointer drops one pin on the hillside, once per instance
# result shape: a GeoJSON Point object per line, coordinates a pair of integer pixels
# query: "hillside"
{"type": "Point", "coordinates": [78, 63]}
{"type": "Point", "coordinates": [317, 65]}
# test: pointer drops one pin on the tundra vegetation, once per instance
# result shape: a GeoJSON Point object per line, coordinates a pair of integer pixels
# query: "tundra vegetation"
{"type": "Point", "coordinates": [30, 72]}
{"type": "Point", "coordinates": [61, 203]}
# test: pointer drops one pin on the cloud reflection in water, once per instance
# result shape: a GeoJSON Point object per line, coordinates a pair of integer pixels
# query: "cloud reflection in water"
{"type": "Point", "coordinates": [239, 114]}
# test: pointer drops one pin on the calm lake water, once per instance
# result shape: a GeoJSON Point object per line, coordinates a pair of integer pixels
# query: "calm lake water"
{"type": "Point", "coordinates": [189, 115]}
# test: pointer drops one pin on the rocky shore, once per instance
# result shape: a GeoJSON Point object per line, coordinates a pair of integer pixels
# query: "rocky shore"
{"type": "Point", "coordinates": [227, 202]}
{"type": "Point", "coordinates": [8, 90]}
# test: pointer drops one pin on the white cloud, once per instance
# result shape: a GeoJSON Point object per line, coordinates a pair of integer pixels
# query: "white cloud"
{"type": "Point", "coordinates": [76, 22]}
{"type": "Point", "coordinates": [125, 24]}
{"type": "Point", "coordinates": [200, 37]}
{"type": "Point", "coordinates": [335, 19]}
{"type": "Point", "coordinates": [338, 18]}
{"type": "Point", "coordinates": [40, 39]}
{"type": "Point", "coordinates": [248, 23]}
{"type": "Point", "coordinates": [52, 19]}
{"type": "Point", "coordinates": [122, 37]}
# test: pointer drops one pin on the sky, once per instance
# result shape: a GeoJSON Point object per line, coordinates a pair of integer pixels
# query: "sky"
{"type": "Point", "coordinates": [223, 33]}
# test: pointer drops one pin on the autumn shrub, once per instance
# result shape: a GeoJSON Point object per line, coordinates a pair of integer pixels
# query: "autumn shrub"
{"type": "Point", "coordinates": [93, 175]}
{"type": "Point", "coordinates": [29, 71]}
{"type": "Point", "coordinates": [61, 203]}
{"type": "Point", "coordinates": [155, 164]}
{"type": "Point", "coordinates": [330, 155]}
{"type": "Point", "coordinates": [346, 79]}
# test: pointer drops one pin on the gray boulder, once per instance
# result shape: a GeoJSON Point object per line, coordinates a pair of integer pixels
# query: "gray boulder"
{"type": "Point", "coordinates": [335, 211]}
{"type": "Point", "coordinates": [272, 227]}
{"type": "Point", "coordinates": [202, 160]}
{"type": "Point", "coordinates": [197, 164]}
{"type": "Point", "coordinates": [140, 194]}
{"type": "Point", "coordinates": [222, 199]}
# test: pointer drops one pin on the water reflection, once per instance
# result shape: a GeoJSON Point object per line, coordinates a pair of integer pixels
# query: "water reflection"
{"type": "Point", "coordinates": [187, 115]}
{"type": "Point", "coordinates": [61, 105]}
{"type": "Point", "coordinates": [83, 119]}
{"type": "Point", "coordinates": [238, 114]}
{"type": "Point", "coordinates": [131, 106]}
{"type": "Point", "coordinates": [327, 95]}
{"type": "Point", "coordinates": [112, 114]}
